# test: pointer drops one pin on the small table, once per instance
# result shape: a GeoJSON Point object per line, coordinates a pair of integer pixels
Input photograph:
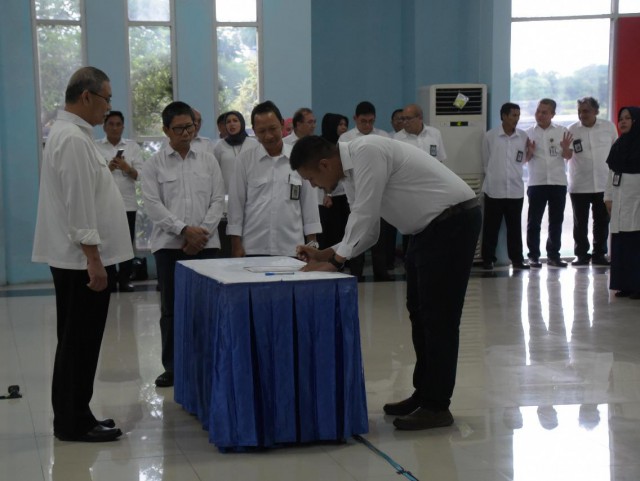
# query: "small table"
{"type": "Point", "coordinates": [266, 357]}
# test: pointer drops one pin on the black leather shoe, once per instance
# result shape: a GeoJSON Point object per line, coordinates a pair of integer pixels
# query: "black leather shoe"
{"type": "Point", "coordinates": [401, 408]}
{"type": "Point", "coordinates": [487, 266]}
{"type": "Point", "coordinates": [522, 265]}
{"type": "Point", "coordinates": [600, 261]}
{"type": "Point", "coordinates": [424, 419]}
{"type": "Point", "coordinates": [126, 288]}
{"type": "Point", "coordinates": [165, 379]}
{"type": "Point", "coordinates": [98, 434]}
{"type": "Point", "coordinates": [581, 261]}
{"type": "Point", "coordinates": [556, 263]}
{"type": "Point", "coordinates": [107, 423]}
{"type": "Point", "coordinates": [535, 263]}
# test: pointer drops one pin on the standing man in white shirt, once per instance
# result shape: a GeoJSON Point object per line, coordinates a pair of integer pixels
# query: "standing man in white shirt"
{"type": "Point", "coordinates": [551, 145]}
{"type": "Point", "coordinates": [382, 178]}
{"type": "Point", "coordinates": [304, 123]}
{"type": "Point", "coordinates": [397, 122]}
{"type": "Point", "coordinates": [202, 144]}
{"type": "Point", "coordinates": [364, 118]}
{"type": "Point", "coordinates": [184, 197]}
{"type": "Point", "coordinates": [505, 149]}
{"type": "Point", "coordinates": [415, 132]}
{"type": "Point", "coordinates": [81, 232]}
{"type": "Point", "coordinates": [125, 169]}
{"type": "Point", "coordinates": [271, 208]}
{"type": "Point", "coordinates": [588, 173]}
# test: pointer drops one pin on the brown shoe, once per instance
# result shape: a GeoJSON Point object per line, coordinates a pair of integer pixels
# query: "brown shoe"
{"type": "Point", "coordinates": [424, 419]}
{"type": "Point", "coordinates": [402, 408]}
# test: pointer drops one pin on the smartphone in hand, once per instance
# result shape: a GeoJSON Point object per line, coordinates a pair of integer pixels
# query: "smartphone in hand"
{"type": "Point", "coordinates": [120, 152]}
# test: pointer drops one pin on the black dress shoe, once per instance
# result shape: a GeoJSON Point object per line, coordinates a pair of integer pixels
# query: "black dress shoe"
{"type": "Point", "coordinates": [424, 419]}
{"type": "Point", "coordinates": [165, 379]}
{"type": "Point", "coordinates": [623, 293]}
{"type": "Point", "coordinates": [401, 408]}
{"type": "Point", "coordinates": [556, 263]}
{"type": "Point", "coordinates": [126, 288]}
{"type": "Point", "coordinates": [107, 423]}
{"type": "Point", "coordinates": [98, 434]}
{"type": "Point", "coordinates": [522, 265]}
{"type": "Point", "coordinates": [600, 261]}
{"type": "Point", "coordinates": [487, 266]}
{"type": "Point", "coordinates": [581, 261]}
{"type": "Point", "coordinates": [535, 263]}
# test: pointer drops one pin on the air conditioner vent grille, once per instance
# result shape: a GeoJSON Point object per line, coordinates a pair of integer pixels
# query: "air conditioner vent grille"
{"type": "Point", "coordinates": [446, 96]}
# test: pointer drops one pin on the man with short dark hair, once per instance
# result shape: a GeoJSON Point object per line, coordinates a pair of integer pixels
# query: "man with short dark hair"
{"type": "Point", "coordinates": [588, 174]}
{"type": "Point", "coordinates": [184, 197]}
{"type": "Point", "coordinates": [304, 123]}
{"type": "Point", "coordinates": [365, 118]}
{"type": "Point", "coordinates": [271, 208]}
{"type": "Point", "coordinates": [382, 178]}
{"type": "Point", "coordinates": [396, 121]}
{"type": "Point", "coordinates": [81, 232]}
{"type": "Point", "coordinates": [125, 169]}
{"type": "Point", "coordinates": [551, 144]}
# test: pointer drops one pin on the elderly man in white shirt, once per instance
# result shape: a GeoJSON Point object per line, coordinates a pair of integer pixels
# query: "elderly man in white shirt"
{"type": "Point", "coordinates": [588, 173]}
{"type": "Point", "coordinates": [304, 123]}
{"type": "Point", "coordinates": [415, 132]}
{"type": "Point", "coordinates": [81, 232]}
{"type": "Point", "coordinates": [505, 149]}
{"type": "Point", "coordinates": [184, 197]}
{"type": "Point", "coordinates": [423, 199]}
{"type": "Point", "coordinates": [125, 169]}
{"type": "Point", "coordinates": [271, 208]}
{"type": "Point", "coordinates": [551, 145]}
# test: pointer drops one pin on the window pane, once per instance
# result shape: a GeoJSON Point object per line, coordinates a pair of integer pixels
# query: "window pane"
{"type": "Point", "coordinates": [555, 8]}
{"type": "Point", "coordinates": [57, 9]}
{"type": "Point", "coordinates": [236, 10]}
{"type": "Point", "coordinates": [629, 6]}
{"type": "Point", "coordinates": [149, 10]}
{"type": "Point", "coordinates": [540, 69]}
{"type": "Point", "coordinates": [151, 81]}
{"type": "Point", "coordinates": [59, 55]}
{"type": "Point", "coordinates": [237, 69]}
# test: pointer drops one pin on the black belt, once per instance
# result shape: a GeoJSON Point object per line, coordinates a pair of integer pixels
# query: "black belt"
{"type": "Point", "coordinates": [455, 210]}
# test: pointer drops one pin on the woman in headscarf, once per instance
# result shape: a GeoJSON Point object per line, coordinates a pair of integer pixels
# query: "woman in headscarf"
{"type": "Point", "coordinates": [622, 197]}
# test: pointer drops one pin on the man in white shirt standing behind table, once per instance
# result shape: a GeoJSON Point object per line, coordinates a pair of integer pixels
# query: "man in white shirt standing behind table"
{"type": "Point", "coordinates": [125, 169]}
{"type": "Point", "coordinates": [505, 149]}
{"type": "Point", "coordinates": [383, 178]}
{"type": "Point", "coordinates": [81, 232]}
{"type": "Point", "coordinates": [184, 197]}
{"type": "Point", "coordinates": [551, 145]}
{"type": "Point", "coordinates": [271, 208]}
{"type": "Point", "coordinates": [415, 132]}
{"type": "Point", "coordinates": [588, 174]}
{"type": "Point", "coordinates": [304, 123]}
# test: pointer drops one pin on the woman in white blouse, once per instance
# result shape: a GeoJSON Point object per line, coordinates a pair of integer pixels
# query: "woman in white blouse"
{"type": "Point", "coordinates": [230, 147]}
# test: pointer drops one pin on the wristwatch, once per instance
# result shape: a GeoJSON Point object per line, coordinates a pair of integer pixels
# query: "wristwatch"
{"type": "Point", "coordinates": [334, 262]}
{"type": "Point", "coordinates": [313, 244]}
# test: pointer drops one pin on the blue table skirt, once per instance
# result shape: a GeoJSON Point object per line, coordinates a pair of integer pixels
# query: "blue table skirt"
{"type": "Point", "coordinates": [265, 364]}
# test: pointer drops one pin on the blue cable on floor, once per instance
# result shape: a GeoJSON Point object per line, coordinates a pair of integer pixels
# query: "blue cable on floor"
{"type": "Point", "coordinates": [399, 469]}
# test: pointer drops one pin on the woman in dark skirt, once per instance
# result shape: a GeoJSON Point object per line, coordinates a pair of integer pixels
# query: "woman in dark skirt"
{"type": "Point", "coordinates": [622, 198]}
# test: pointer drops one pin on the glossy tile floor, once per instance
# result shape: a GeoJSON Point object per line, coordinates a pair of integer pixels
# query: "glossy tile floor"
{"type": "Point", "coordinates": [548, 389]}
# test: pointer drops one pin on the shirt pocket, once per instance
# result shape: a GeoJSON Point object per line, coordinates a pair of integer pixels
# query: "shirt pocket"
{"type": "Point", "coordinates": [257, 190]}
{"type": "Point", "coordinates": [168, 183]}
{"type": "Point", "coordinates": [202, 183]}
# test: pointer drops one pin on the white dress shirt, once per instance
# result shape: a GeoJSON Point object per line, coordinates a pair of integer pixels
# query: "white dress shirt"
{"type": "Point", "coordinates": [588, 169]}
{"type": "Point", "coordinates": [261, 208]}
{"type": "Point", "coordinates": [182, 192]}
{"type": "Point", "coordinates": [625, 207]}
{"type": "Point", "coordinates": [291, 139]}
{"type": "Point", "coordinates": [203, 144]}
{"type": "Point", "coordinates": [79, 202]}
{"type": "Point", "coordinates": [226, 156]}
{"type": "Point", "coordinates": [396, 181]}
{"type": "Point", "coordinates": [547, 166]}
{"type": "Point", "coordinates": [354, 133]}
{"type": "Point", "coordinates": [133, 156]}
{"type": "Point", "coordinates": [502, 157]}
{"type": "Point", "coordinates": [429, 139]}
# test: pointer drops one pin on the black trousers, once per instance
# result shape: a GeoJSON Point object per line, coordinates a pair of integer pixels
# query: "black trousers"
{"type": "Point", "coordinates": [81, 317]}
{"type": "Point", "coordinates": [333, 220]}
{"type": "Point", "coordinates": [124, 270]}
{"type": "Point", "coordinates": [438, 263]}
{"type": "Point", "coordinates": [494, 211]}
{"type": "Point", "coordinates": [580, 204]}
{"type": "Point", "coordinates": [166, 265]}
{"type": "Point", "coordinates": [539, 197]}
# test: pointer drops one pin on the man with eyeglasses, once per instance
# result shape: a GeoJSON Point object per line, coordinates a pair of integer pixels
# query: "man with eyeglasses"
{"type": "Point", "coordinates": [416, 133]}
{"type": "Point", "coordinates": [81, 232]}
{"type": "Point", "coordinates": [183, 193]}
{"type": "Point", "coordinates": [364, 118]}
{"type": "Point", "coordinates": [304, 123]}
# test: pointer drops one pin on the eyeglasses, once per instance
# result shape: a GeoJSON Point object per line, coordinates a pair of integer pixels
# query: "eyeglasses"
{"type": "Point", "coordinates": [181, 129]}
{"type": "Point", "coordinates": [106, 99]}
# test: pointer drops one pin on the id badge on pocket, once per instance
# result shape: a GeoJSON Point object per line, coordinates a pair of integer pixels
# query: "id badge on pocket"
{"type": "Point", "coordinates": [433, 150]}
{"type": "Point", "coordinates": [294, 193]}
{"type": "Point", "coordinates": [519, 156]}
{"type": "Point", "coordinates": [617, 177]}
{"type": "Point", "coordinates": [577, 146]}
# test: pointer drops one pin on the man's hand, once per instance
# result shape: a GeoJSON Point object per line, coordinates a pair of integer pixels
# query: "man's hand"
{"type": "Point", "coordinates": [608, 204]}
{"type": "Point", "coordinates": [327, 201]}
{"type": "Point", "coordinates": [319, 266]}
{"type": "Point", "coordinates": [311, 254]}
{"type": "Point", "coordinates": [237, 249]}
{"type": "Point", "coordinates": [195, 238]}
{"type": "Point", "coordinates": [565, 143]}
{"type": "Point", "coordinates": [531, 148]}
{"type": "Point", "coordinates": [98, 279]}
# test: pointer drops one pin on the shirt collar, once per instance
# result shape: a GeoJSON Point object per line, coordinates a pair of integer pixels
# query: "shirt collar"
{"type": "Point", "coordinates": [76, 120]}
